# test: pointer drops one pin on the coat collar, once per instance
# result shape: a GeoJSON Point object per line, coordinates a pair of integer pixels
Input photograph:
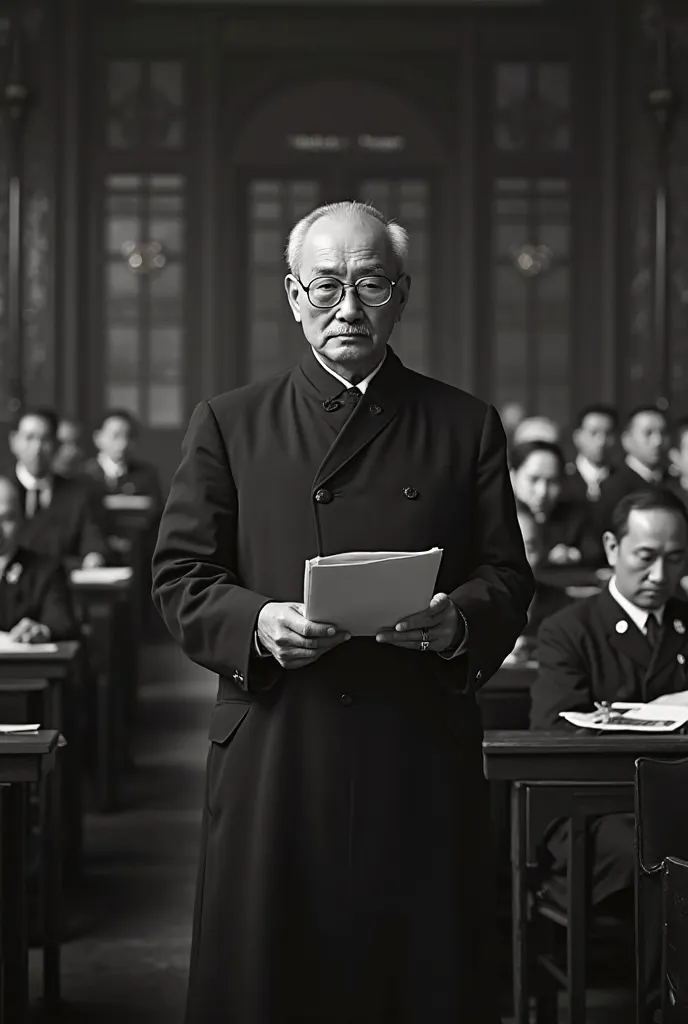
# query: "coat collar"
{"type": "Point", "coordinates": [373, 413]}
{"type": "Point", "coordinates": [625, 636]}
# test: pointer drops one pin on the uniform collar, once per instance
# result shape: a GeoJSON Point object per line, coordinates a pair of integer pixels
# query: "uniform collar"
{"type": "Point", "coordinates": [29, 482]}
{"type": "Point", "coordinates": [109, 466]}
{"type": "Point", "coordinates": [362, 384]}
{"type": "Point", "coordinates": [591, 473]}
{"type": "Point", "coordinates": [638, 616]}
{"type": "Point", "coordinates": [650, 476]}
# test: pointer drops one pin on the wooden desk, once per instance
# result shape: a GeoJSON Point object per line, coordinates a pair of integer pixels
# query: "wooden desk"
{"type": "Point", "coordinates": [566, 576]}
{"type": "Point", "coordinates": [113, 655]}
{"type": "Point", "coordinates": [26, 760]}
{"type": "Point", "coordinates": [563, 774]}
{"type": "Point", "coordinates": [50, 686]}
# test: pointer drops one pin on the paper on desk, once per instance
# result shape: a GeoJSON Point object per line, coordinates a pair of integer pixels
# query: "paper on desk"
{"type": "Point", "coordinates": [103, 574]}
{"type": "Point", "coordinates": [128, 502]}
{"type": "Point", "coordinates": [678, 700]}
{"type": "Point", "coordinates": [8, 646]}
{"type": "Point", "coordinates": [631, 718]}
{"type": "Point", "coordinates": [363, 591]}
{"type": "Point", "coordinates": [19, 728]}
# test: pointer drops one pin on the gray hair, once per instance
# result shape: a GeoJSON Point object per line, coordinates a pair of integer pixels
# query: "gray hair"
{"type": "Point", "coordinates": [398, 236]}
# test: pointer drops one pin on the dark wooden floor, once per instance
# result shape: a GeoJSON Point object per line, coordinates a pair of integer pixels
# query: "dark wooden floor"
{"type": "Point", "coordinates": [126, 959]}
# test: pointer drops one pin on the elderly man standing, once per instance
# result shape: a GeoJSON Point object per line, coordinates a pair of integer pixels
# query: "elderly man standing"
{"type": "Point", "coordinates": [342, 875]}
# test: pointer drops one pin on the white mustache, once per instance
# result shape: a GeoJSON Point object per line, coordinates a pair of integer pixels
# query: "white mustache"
{"type": "Point", "coordinates": [363, 332]}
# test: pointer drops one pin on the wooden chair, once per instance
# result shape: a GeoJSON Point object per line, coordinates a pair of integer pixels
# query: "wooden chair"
{"type": "Point", "coordinates": [661, 827]}
{"type": "Point", "coordinates": [675, 941]}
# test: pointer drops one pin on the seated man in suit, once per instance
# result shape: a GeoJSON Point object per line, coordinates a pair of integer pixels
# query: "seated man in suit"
{"type": "Point", "coordinates": [69, 458]}
{"type": "Point", "coordinates": [546, 600]}
{"type": "Point", "coordinates": [645, 440]}
{"type": "Point", "coordinates": [60, 516]}
{"type": "Point", "coordinates": [116, 467]}
{"type": "Point", "coordinates": [568, 531]}
{"type": "Point", "coordinates": [593, 439]}
{"type": "Point", "coordinates": [629, 643]}
{"type": "Point", "coordinates": [35, 603]}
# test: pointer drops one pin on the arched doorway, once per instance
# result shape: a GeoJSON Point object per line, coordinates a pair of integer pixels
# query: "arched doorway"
{"type": "Point", "coordinates": [319, 142]}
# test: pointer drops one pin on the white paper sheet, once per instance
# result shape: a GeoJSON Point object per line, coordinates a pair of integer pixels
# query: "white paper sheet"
{"type": "Point", "coordinates": [364, 591]}
{"type": "Point", "coordinates": [104, 574]}
{"type": "Point", "coordinates": [19, 728]}
{"type": "Point", "coordinates": [631, 718]}
{"type": "Point", "coordinates": [8, 646]}
{"type": "Point", "coordinates": [677, 700]}
{"type": "Point", "coordinates": [127, 502]}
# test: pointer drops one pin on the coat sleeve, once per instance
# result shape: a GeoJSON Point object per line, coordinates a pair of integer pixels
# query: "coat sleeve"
{"type": "Point", "coordinates": [196, 583]}
{"type": "Point", "coordinates": [563, 680]}
{"type": "Point", "coordinates": [494, 600]}
{"type": "Point", "coordinates": [56, 609]}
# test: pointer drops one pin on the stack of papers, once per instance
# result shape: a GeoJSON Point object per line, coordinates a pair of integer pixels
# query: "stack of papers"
{"type": "Point", "coordinates": [128, 502]}
{"type": "Point", "coordinates": [104, 574]}
{"type": "Point", "coordinates": [625, 717]}
{"type": "Point", "coordinates": [363, 592]}
{"type": "Point", "coordinates": [8, 646]}
{"type": "Point", "coordinates": [19, 728]}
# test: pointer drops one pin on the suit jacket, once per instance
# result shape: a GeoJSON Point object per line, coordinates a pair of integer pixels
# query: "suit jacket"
{"type": "Point", "coordinates": [35, 586]}
{"type": "Point", "coordinates": [140, 478]}
{"type": "Point", "coordinates": [353, 768]}
{"type": "Point", "coordinates": [616, 487]}
{"type": "Point", "coordinates": [547, 601]}
{"type": "Point", "coordinates": [583, 657]}
{"type": "Point", "coordinates": [71, 526]}
{"type": "Point", "coordinates": [572, 523]}
{"type": "Point", "coordinates": [575, 488]}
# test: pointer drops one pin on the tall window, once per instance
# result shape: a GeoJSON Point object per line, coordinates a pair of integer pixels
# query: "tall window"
{"type": "Point", "coordinates": [529, 304]}
{"type": "Point", "coordinates": [144, 269]}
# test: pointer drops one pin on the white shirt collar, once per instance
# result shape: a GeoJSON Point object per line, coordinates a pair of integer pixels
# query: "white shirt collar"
{"type": "Point", "coordinates": [109, 466]}
{"type": "Point", "coordinates": [362, 384]}
{"type": "Point", "coordinates": [29, 482]}
{"type": "Point", "coordinates": [638, 616]}
{"type": "Point", "coordinates": [591, 473]}
{"type": "Point", "coordinates": [651, 476]}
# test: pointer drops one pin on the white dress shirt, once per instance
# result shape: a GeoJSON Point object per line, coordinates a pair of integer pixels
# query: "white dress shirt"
{"type": "Point", "coordinates": [638, 616]}
{"type": "Point", "coordinates": [113, 470]}
{"type": "Point", "coordinates": [593, 476]}
{"type": "Point", "coordinates": [43, 488]}
{"type": "Point", "coordinates": [362, 387]}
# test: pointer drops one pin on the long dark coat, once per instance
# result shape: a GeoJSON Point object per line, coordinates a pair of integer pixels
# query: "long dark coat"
{"type": "Point", "coordinates": [342, 872]}
{"type": "Point", "coordinates": [584, 658]}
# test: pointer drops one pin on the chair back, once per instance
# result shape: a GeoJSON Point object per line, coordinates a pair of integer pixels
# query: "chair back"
{"type": "Point", "coordinates": [661, 815]}
{"type": "Point", "coordinates": [675, 950]}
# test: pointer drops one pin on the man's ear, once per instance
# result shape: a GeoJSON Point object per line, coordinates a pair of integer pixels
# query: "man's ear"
{"type": "Point", "coordinates": [293, 290]}
{"type": "Point", "coordinates": [611, 548]}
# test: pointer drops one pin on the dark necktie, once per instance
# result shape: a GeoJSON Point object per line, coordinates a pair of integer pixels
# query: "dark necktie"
{"type": "Point", "coordinates": [653, 630]}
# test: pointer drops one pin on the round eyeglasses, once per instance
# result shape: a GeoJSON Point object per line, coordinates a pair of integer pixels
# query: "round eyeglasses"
{"type": "Point", "coordinates": [326, 292]}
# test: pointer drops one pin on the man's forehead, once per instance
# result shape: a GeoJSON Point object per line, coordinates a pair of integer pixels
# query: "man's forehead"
{"type": "Point", "coordinates": [31, 424]}
{"type": "Point", "coordinates": [647, 523]}
{"type": "Point", "coordinates": [339, 241]}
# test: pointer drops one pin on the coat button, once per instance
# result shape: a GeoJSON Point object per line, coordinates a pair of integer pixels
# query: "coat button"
{"type": "Point", "coordinates": [323, 496]}
{"type": "Point", "coordinates": [346, 699]}
{"type": "Point", "coordinates": [237, 677]}
{"type": "Point", "coordinates": [375, 409]}
{"type": "Point", "coordinates": [680, 659]}
{"type": "Point", "coordinates": [410, 492]}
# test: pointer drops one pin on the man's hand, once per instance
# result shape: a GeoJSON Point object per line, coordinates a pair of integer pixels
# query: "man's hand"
{"type": "Point", "coordinates": [563, 555]}
{"type": "Point", "coordinates": [440, 619]}
{"type": "Point", "coordinates": [29, 632]}
{"type": "Point", "coordinates": [93, 560]}
{"type": "Point", "coordinates": [292, 639]}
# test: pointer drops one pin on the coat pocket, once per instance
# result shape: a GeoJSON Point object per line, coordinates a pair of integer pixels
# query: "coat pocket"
{"type": "Point", "coordinates": [224, 725]}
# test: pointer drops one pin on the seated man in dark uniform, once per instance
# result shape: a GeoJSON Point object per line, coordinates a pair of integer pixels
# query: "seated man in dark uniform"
{"type": "Point", "coordinates": [645, 439]}
{"type": "Point", "coordinates": [116, 467]}
{"type": "Point", "coordinates": [593, 438]}
{"type": "Point", "coordinates": [35, 603]}
{"type": "Point", "coordinates": [60, 516]}
{"type": "Point", "coordinates": [629, 643]}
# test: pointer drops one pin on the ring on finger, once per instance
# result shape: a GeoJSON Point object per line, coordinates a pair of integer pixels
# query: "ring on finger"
{"type": "Point", "coordinates": [425, 640]}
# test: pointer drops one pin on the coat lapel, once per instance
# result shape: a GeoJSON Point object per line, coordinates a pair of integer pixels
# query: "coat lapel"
{"type": "Point", "coordinates": [373, 414]}
{"type": "Point", "coordinates": [674, 635]}
{"type": "Point", "coordinates": [623, 634]}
